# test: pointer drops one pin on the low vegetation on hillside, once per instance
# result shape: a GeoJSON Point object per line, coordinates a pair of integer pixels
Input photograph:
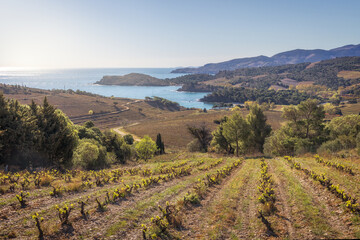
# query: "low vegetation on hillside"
{"type": "Point", "coordinates": [296, 83]}
{"type": "Point", "coordinates": [163, 103]}
{"type": "Point", "coordinates": [132, 79]}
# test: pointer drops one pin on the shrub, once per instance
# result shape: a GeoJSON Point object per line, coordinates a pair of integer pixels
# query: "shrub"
{"type": "Point", "coordinates": [46, 180]}
{"type": "Point", "coordinates": [279, 143]}
{"type": "Point", "coordinates": [75, 186]}
{"type": "Point", "coordinates": [116, 144]}
{"type": "Point", "coordinates": [344, 126]}
{"type": "Point", "coordinates": [89, 124]}
{"type": "Point", "coordinates": [194, 146]}
{"type": "Point", "coordinates": [89, 154]}
{"type": "Point", "coordinates": [129, 139]}
{"type": "Point", "coordinates": [340, 143]}
{"type": "Point", "coordinates": [146, 148]}
{"type": "Point", "coordinates": [303, 146]}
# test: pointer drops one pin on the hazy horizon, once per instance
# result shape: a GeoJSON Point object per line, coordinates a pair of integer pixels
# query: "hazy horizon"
{"type": "Point", "coordinates": [162, 34]}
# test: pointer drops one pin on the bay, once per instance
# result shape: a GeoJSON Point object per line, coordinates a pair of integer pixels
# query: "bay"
{"type": "Point", "coordinates": [84, 79]}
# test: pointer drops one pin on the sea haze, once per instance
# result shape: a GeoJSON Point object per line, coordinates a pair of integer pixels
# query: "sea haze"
{"type": "Point", "coordinates": [84, 79]}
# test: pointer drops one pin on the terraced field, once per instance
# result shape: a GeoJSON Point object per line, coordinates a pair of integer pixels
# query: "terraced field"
{"type": "Point", "coordinates": [187, 196]}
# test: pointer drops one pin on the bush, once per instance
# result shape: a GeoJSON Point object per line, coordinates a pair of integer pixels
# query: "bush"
{"type": "Point", "coordinates": [194, 146]}
{"type": "Point", "coordinates": [89, 124]}
{"type": "Point", "coordinates": [89, 154]}
{"type": "Point", "coordinates": [146, 148]}
{"type": "Point", "coordinates": [330, 146]}
{"type": "Point", "coordinates": [348, 125]}
{"type": "Point", "coordinates": [115, 143]}
{"type": "Point", "coordinates": [280, 143]}
{"type": "Point", "coordinates": [129, 139]}
{"type": "Point", "coordinates": [341, 143]}
{"type": "Point", "coordinates": [303, 146]}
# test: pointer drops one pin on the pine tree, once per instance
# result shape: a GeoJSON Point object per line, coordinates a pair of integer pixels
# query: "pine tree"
{"type": "Point", "coordinates": [4, 124]}
{"type": "Point", "coordinates": [58, 138]}
{"type": "Point", "coordinates": [236, 131]}
{"type": "Point", "coordinates": [258, 127]}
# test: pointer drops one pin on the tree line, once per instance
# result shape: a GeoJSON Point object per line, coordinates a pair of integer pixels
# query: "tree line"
{"type": "Point", "coordinates": [305, 131]}
{"type": "Point", "coordinates": [41, 135]}
{"type": "Point", "coordinates": [241, 95]}
{"type": "Point", "coordinates": [235, 134]}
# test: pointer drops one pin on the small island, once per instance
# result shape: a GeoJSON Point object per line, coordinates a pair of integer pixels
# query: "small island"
{"type": "Point", "coordinates": [133, 79]}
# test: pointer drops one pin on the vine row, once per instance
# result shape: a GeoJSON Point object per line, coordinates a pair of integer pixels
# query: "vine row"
{"type": "Point", "coordinates": [350, 201]}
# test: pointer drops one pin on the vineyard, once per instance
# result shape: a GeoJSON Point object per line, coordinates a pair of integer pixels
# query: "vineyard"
{"type": "Point", "coordinates": [187, 196]}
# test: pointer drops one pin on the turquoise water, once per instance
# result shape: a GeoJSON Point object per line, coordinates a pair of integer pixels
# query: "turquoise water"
{"type": "Point", "coordinates": [84, 79]}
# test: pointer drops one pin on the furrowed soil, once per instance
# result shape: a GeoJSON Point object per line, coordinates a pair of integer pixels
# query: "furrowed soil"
{"type": "Point", "coordinates": [227, 210]}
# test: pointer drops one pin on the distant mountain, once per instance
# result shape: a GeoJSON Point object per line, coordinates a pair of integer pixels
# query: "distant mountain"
{"type": "Point", "coordinates": [289, 57]}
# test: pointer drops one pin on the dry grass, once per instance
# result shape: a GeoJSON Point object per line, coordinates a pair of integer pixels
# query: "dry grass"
{"type": "Point", "coordinates": [349, 74]}
{"type": "Point", "coordinates": [173, 126]}
{"type": "Point", "coordinates": [347, 109]}
{"type": "Point", "coordinates": [75, 186]}
{"type": "Point", "coordinates": [76, 105]}
{"type": "Point", "coordinates": [71, 104]}
{"type": "Point", "coordinates": [46, 180]}
{"type": "Point", "coordinates": [218, 82]}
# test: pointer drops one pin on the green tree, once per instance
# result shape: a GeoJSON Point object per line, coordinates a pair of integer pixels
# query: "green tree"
{"type": "Point", "coordinates": [291, 113]}
{"type": "Point", "coordinates": [258, 127]}
{"type": "Point", "coordinates": [303, 132]}
{"type": "Point", "coordinates": [145, 148]}
{"type": "Point", "coordinates": [58, 138]}
{"type": "Point", "coordinates": [236, 131]}
{"type": "Point", "coordinates": [114, 143]}
{"type": "Point", "coordinates": [129, 139]}
{"type": "Point", "coordinates": [344, 126]}
{"type": "Point", "coordinates": [343, 133]}
{"type": "Point", "coordinates": [202, 133]}
{"type": "Point", "coordinates": [219, 140]}
{"type": "Point", "coordinates": [306, 118]}
{"type": "Point", "coordinates": [312, 115]}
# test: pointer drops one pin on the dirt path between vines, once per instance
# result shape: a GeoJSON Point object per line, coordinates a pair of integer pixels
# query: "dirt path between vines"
{"type": "Point", "coordinates": [135, 233]}
{"type": "Point", "coordinates": [284, 209]}
{"type": "Point", "coordinates": [197, 219]}
{"type": "Point", "coordinates": [332, 210]}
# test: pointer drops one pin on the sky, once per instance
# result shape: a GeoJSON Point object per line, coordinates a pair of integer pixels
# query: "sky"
{"type": "Point", "coordinates": [167, 33]}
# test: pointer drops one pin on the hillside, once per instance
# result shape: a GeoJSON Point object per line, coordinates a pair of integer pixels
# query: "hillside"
{"type": "Point", "coordinates": [288, 84]}
{"type": "Point", "coordinates": [107, 112]}
{"type": "Point", "coordinates": [288, 57]}
{"type": "Point", "coordinates": [132, 79]}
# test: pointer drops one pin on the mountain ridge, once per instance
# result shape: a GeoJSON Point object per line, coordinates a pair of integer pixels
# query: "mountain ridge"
{"type": "Point", "coordinates": [288, 57]}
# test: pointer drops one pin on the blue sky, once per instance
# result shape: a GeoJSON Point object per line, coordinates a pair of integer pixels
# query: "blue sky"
{"type": "Point", "coordinates": [167, 33]}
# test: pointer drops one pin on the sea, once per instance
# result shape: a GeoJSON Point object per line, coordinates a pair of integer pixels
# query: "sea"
{"type": "Point", "coordinates": [84, 79]}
